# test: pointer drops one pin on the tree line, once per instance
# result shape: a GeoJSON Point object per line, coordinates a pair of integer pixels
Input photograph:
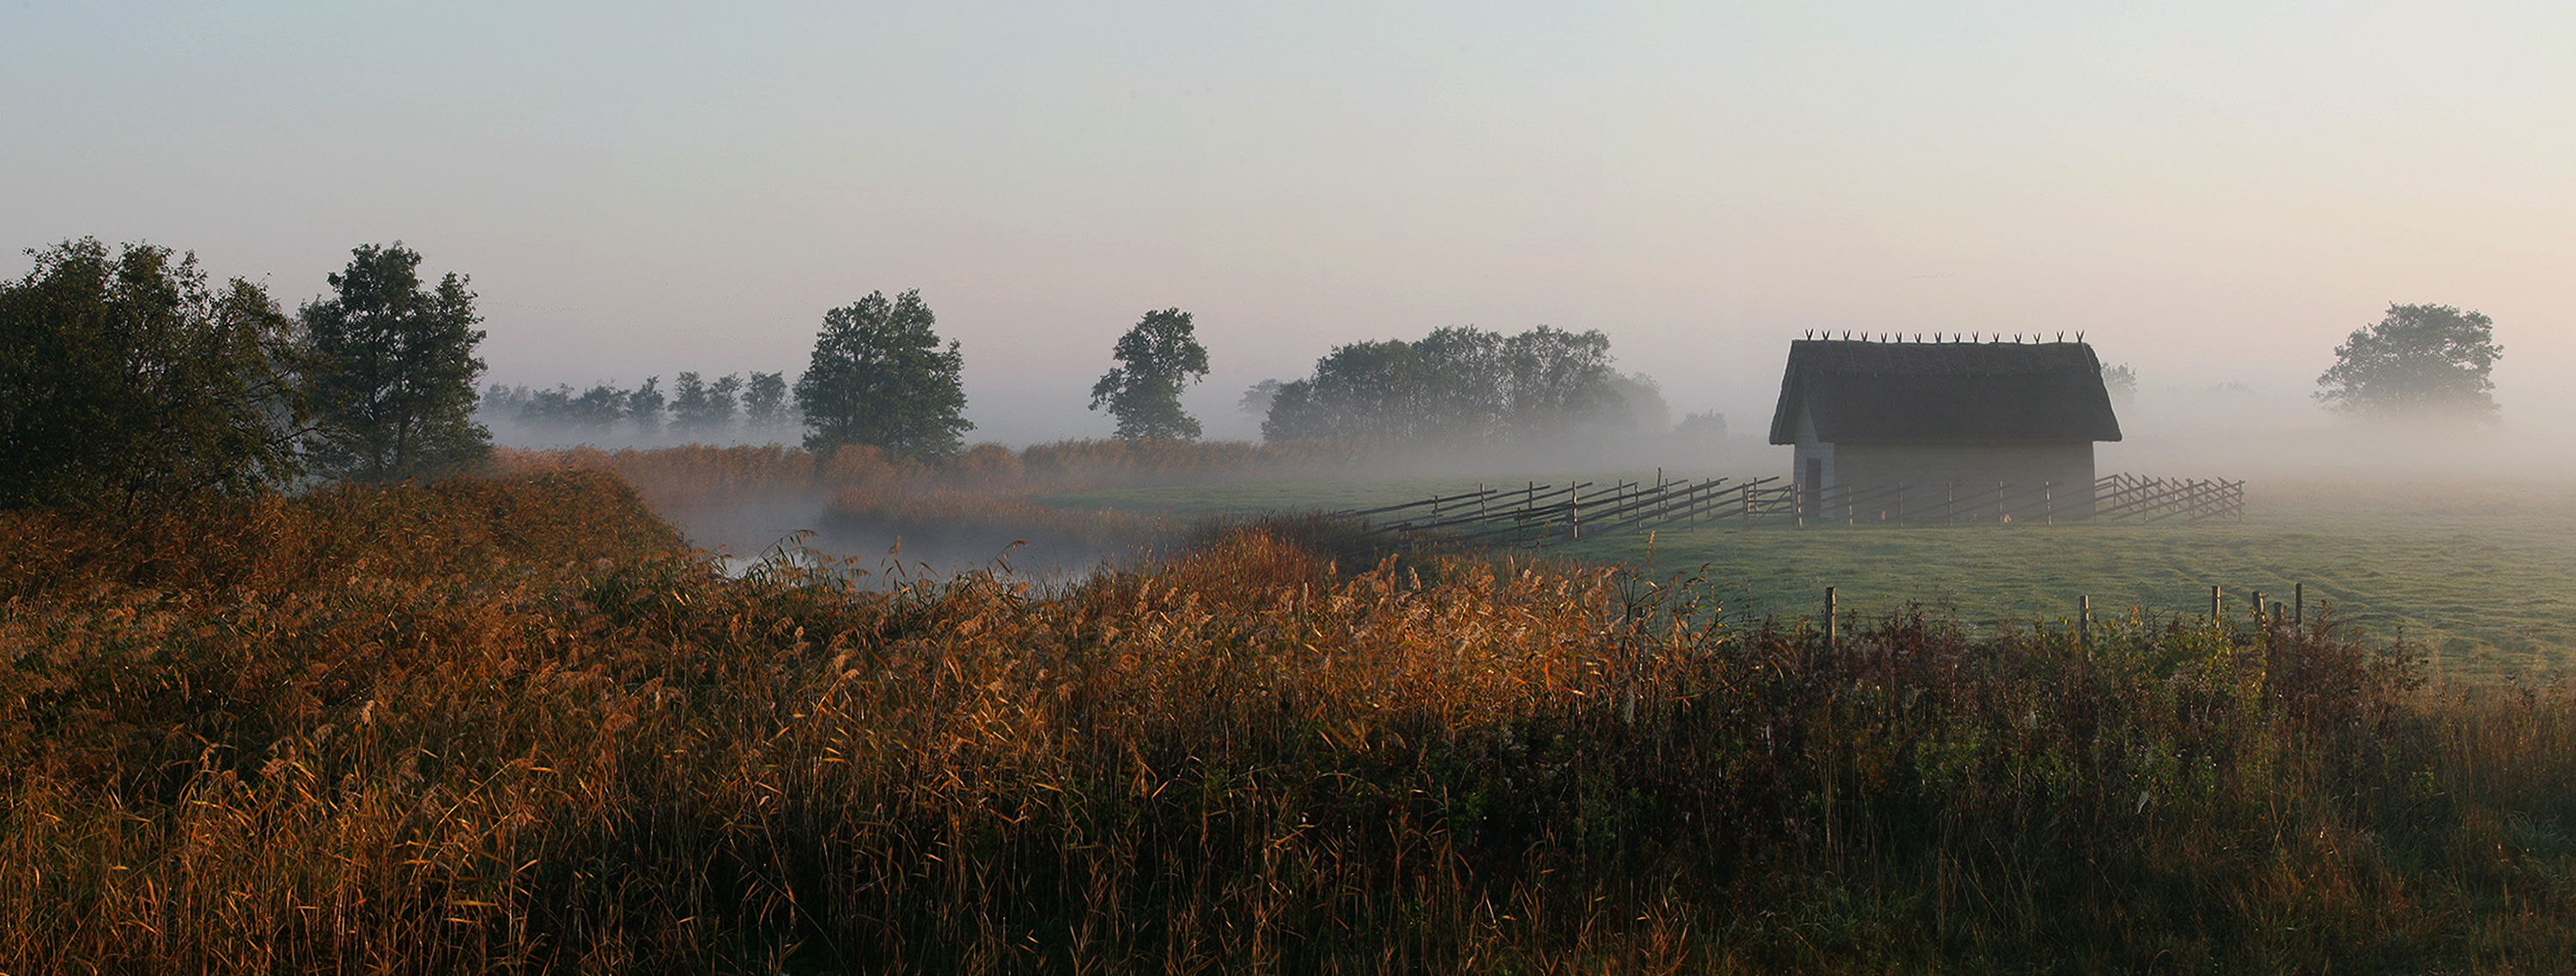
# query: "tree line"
{"type": "Point", "coordinates": [696, 408]}
{"type": "Point", "coordinates": [135, 377]}
{"type": "Point", "coordinates": [131, 377]}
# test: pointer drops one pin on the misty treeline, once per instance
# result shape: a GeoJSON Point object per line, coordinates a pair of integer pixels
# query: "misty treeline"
{"type": "Point", "coordinates": [131, 377]}
{"type": "Point", "coordinates": [1463, 386]}
{"type": "Point", "coordinates": [694, 410]}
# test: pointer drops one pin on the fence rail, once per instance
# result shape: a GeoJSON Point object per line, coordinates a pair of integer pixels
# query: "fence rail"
{"type": "Point", "coordinates": [1537, 514]}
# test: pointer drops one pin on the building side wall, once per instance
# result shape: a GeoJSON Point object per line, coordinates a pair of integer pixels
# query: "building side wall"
{"type": "Point", "coordinates": [1935, 467]}
{"type": "Point", "coordinates": [1809, 449]}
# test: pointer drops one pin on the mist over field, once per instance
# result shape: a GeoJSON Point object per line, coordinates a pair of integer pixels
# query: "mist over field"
{"type": "Point", "coordinates": [990, 487]}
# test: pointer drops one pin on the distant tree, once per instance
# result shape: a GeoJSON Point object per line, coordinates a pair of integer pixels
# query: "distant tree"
{"type": "Point", "coordinates": [2121, 383]}
{"type": "Point", "coordinates": [703, 410]}
{"type": "Point", "coordinates": [2418, 361]}
{"type": "Point", "coordinates": [878, 377]}
{"type": "Point", "coordinates": [1256, 399]}
{"type": "Point", "coordinates": [546, 410]}
{"type": "Point", "coordinates": [1641, 402]}
{"type": "Point", "coordinates": [128, 380]}
{"type": "Point", "coordinates": [644, 407]}
{"type": "Point", "coordinates": [1157, 359]}
{"type": "Point", "coordinates": [577, 413]}
{"type": "Point", "coordinates": [391, 370]}
{"type": "Point", "coordinates": [1562, 382]}
{"type": "Point", "coordinates": [502, 400]}
{"type": "Point", "coordinates": [1706, 429]}
{"type": "Point", "coordinates": [1460, 386]}
{"type": "Point", "coordinates": [764, 403]}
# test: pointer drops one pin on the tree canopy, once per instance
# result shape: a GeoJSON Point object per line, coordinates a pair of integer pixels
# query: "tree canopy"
{"type": "Point", "coordinates": [392, 370]}
{"type": "Point", "coordinates": [1456, 386]}
{"type": "Point", "coordinates": [129, 379]}
{"type": "Point", "coordinates": [1157, 359]}
{"type": "Point", "coordinates": [2417, 361]}
{"type": "Point", "coordinates": [879, 377]}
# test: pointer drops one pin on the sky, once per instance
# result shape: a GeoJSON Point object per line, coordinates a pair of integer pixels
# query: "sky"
{"type": "Point", "coordinates": [2213, 193]}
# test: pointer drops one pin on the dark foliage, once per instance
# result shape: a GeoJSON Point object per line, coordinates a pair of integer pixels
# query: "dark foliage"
{"type": "Point", "coordinates": [879, 378]}
{"type": "Point", "coordinates": [392, 369]}
{"type": "Point", "coordinates": [128, 380]}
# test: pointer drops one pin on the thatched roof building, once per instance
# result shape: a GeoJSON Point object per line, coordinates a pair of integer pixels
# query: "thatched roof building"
{"type": "Point", "coordinates": [1944, 414]}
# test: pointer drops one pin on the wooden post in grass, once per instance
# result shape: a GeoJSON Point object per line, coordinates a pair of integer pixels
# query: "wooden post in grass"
{"type": "Point", "coordinates": [2299, 605]}
{"type": "Point", "coordinates": [2214, 595]}
{"type": "Point", "coordinates": [1833, 630]}
{"type": "Point", "coordinates": [2084, 620]}
{"type": "Point", "coordinates": [2258, 609]}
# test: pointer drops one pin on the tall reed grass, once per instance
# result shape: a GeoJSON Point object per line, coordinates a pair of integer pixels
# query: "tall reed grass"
{"type": "Point", "coordinates": [509, 725]}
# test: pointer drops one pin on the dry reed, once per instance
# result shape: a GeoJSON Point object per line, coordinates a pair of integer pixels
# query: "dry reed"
{"type": "Point", "coordinates": [509, 725]}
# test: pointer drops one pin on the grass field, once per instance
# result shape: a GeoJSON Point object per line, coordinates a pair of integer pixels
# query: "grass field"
{"type": "Point", "coordinates": [2484, 580]}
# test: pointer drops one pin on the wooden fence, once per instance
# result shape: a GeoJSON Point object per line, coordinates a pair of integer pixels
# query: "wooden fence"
{"type": "Point", "coordinates": [1536, 514]}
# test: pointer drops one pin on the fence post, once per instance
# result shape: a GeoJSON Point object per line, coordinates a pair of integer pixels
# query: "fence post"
{"type": "Point", "coordinates": [1833, 625]}
{"type": "Point", "coordinates": [1574, 516]}
{"type": "Point", "coordinates": [2084, 621]}
{"type": "Point", "coordinates": [2258, 609]}
{"type": "Point", "coordinates": [2214, 594]}
{"type": "Point", "coordinates": [2299, 605]}
{"type": "Point", "coordinates": [2048, 506]}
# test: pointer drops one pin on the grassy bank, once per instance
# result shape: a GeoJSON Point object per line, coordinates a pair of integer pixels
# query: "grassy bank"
{"type": "Point", "coordinates": [329, 741]}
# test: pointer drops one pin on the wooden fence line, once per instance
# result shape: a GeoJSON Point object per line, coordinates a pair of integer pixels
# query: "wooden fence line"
{"type": "Point", "coordinates": [1539, 514]}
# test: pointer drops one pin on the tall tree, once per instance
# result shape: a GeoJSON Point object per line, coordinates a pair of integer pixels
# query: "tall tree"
{"type": "Point", "coordinates": [879, 377]}
{"type": "Point", "coordinates": [392, 370]}
{"type": "Point", "coordinates": [1157, 359]}
{"type": "Point", "coordinates": [128, 380]}
{"type": "Point", "coordinates": [764, 402]}
{"type": "Point", "coordinates": [2418, 361]}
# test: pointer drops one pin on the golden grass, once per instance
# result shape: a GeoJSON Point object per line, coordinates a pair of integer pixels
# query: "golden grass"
{"type": "Point", "coordinates": [507, 725]}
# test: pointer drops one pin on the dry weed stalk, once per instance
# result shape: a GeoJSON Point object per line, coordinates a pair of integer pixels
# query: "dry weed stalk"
{"type": "Point", "coordinates": [508, 725]}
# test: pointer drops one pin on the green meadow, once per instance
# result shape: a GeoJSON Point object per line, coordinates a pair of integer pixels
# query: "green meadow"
{"type": "Point", "coordinates": [2483, 581]}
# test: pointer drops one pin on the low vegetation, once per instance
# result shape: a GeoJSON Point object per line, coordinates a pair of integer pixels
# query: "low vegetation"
{"type": "Point", "coordinates": [511, 724]}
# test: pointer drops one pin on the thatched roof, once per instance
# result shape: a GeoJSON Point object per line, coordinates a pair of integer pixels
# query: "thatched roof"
{"type": "Point", "coordinates": [1944, 393]}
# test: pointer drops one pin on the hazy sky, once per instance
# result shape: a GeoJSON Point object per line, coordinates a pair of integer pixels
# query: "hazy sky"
{"type": "Point", "coordinates": [2214, 192]}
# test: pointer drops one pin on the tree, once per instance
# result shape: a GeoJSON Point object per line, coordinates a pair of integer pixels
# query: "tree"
{"type": "Point", "coordinates": [1461, 386]}
{"type": "Point", "coordinates": [878, 377]}
{"type": "Point", "coordinates": [392, 370]}
{"type": "Point", "coordinates": [644, 407]}
{"type": "Point", "coordinates": [1157, 359]}
{"type": "Point", "coordinates": [1256, 398]}
{"type": "Point", "coordinates": [129, 380]}
{"type": "Point", "coordinates": [764, 403]}
{"type": "Point", "coordinates": [2419, 360]}
{"type": "Point", "coordinates": [2121, 383]}
{"type": "Point", "coordinates": [704, 410]}
{"type": "Point", "coordinates": [565, 411]}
